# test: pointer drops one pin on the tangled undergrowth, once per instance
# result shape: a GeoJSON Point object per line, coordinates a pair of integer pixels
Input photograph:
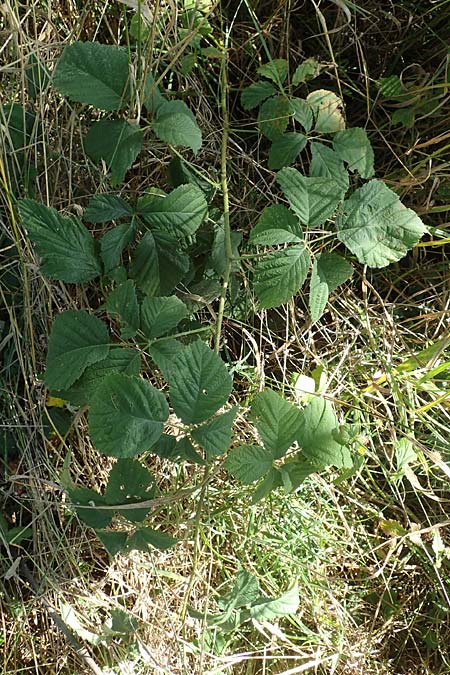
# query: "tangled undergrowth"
{"type": "Point", "coordinates": [367, 545]}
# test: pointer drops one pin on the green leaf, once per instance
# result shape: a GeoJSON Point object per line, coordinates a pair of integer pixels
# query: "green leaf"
{"type": "Point", "coordinates": [376, 227]}
{"type": "Point", "coordinates": [19, 124]}
{"type": "Point", "coordinates": [152, 97]}
{"type": "Point", "coordinates": [114, 542]}
{"type": "Point", "coordinates": [245, 591]}
{"type": "Point", "coordinates": [179, 214]}
{"type": "Point", "coordinates": [127, 415]}
{"type": "Point", "coordinates": [199, 383]}
{"type": "Point", "coordinates": [249, 463]}
{"type": "Point", "coordinates": [329, 271]}
{"type": "Point", "coordinates": [37, 77]}
{"type": "Point", "coordinates": [276, 420]}
{"type": "Point", "coordinates": [117, 142]}
{"type": "Point", "coordinates": [122, 302]}
{"type": "Point", "coordinates": [391, 86]}
{"type": "Point", "coordinates": [314, 200]}
{"type": "Point", "coordinates": [95, 74]}
{"type": "Point", "coordinates": [66, 247]}
{"type": "Point", "coordinates": [161, 315]}
{"type": "Point", "coordinates": [325, 163]}
{"type": "Point", "coordinates": [294, 473]}
{"type": "Point", "coordinates": [328, 111]}
{"type": "Point", "coordinates": [273, 117]}
{"type": "Point", "coordinates": [255, 94]}
{"type": "Point", "coordinates": [185, 450]}
{"type": "Point", "coordinates": [266, 609]}
{"type": "Point", "coordinates": [164, 353]}
{"type": "Point", "coordinates": [84, 502]}
{"type": "Point", "coordinates": [175, 124]}
{"type": "Point", "coordinates": [405, 117]}
{"type": "Point", "coordinates": [285, 149]}
{"type": "Point", "coordinates": [271, 482]}
{"type": "Point", "coordinates": [103, 208]}
{"type": "Point", "coordinates": [113, 243]}
{"type": "Point", "coordinates": [158, 264]}
{"type": "Point", "coordinates": [77, 340]}
{"type": "Point", "coordinates": [218, 252]}
{"type": "Point", "coordinates": [119, 360]}
{"type": "Point", "coordinates": [354, 148]}
{"type": "Point", "coordinates": [276, 70]}
{"type": "Point", "coordinates": [215, 436]}
{"type": "Point", "coordinates": [276, 225]}
{"type": "Point", "coordinates": [307, 70]}
{"type": "Point", "coordinates": [280, 275]}
{"type": "Point", "coordinates": [130, 482]}
{"type": "Point", "coordinates": [302, 113]}
{"type": "Point", "coordinates": [316, 438]}
{"type": "Point", "coordinates": [145, 537]}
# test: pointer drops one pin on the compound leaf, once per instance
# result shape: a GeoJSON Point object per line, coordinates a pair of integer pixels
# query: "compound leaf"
{"type": "Point", "coordinates": [127, 415]}
{"type": "Point", "coordinates": [276, 225]}
{"type": "Point", "coordinates": [312, 199]}
{"type": "Point", "coordinates": [175, 124]}
{"type": "Point", "coordinates": [354, 148]}
{"type": "Point", "coordinates": [325, 163]}
{"type": "Point", "coordinates": [199, 383]}
{"type": "Point", "coordinates": [255, 94]}
{"type": "Point", "coordinates": [279, 275]}
{"type": "Point", "coordinates": [276, 70]}
{"type": "Point", "coordinates": [164, 353]}
{"type": "Point", "coordinates": [67, 249]}
{"type": "Point", "coordinates": [161, 315]}
{"type": "Point", "coordinates": [113, 243]}
{"type": "Point", "coordinates": [302, 113]}
{"type": "Point", "coordinates": [117, 142]}
{"type": "Point", "coordinates": [77, 340]}
{"type": "Point", "coordinates": [130, 482]}
{"type": "Point", "coordinates": [329, 271]}
{"type": "Point", "coordinates": [122, 302]}
{"type": "Point", "coordinates": [249, 463]}
{"type": "Point", "coordinates": [158, 264]}
{"type": "Point", "coordinates": [376, 227]}
{"type": "Point", "coordinates": [215, 436]}
{"type": "Point", "coordinates": [276, 420]}
{"type": "Point", "coordinates": [285, 149]}
{"type": "Point", "coordinates": [93, 73]}
{"type": "Point", "coordinates": [274, 116]}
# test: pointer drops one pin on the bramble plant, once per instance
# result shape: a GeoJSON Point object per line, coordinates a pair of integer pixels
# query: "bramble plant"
{"type": "Point", "coordinates": [154, 249]}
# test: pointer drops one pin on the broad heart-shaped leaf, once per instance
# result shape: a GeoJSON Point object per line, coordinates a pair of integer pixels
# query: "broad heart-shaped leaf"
{"type": "Point", "coordinates": [255, 94]}
{"type": "Point", "coordinates": [145, 537]}
{"type": "Point", "coordinates": [179, 214]}
{"type": "Point", "coordinates": [276, 225]}
{"type": "Point", "coordinates": [285, 149]}
{"type": "Point", "coordinates": [280, 275]}
{"type": "Point", "coordinates": [249, 463]}
{"type": "Point", "coordinates": [93, 73]}
{"type": "Point", "coordinates": [67, 249]}
{"type": "Point", "coordinates": [376, 227]}
{"type": "Point", "coordinates": [354, 148]}
{"type": "Point", "coordinates": [103, 208]}
{"type": "Point", "coordinates": [127, 415]}
{"type": "Point", "coordinates": [113, 243]}
{"type": "Point", "coordinates": [277, 421]}
{"type": "Point", "coordinates": [164, 353]}
{"type": "Point", "coordinates": [329, 271]}
{"type": "Point", "coordinates": [158, 264]}
{"type": "Point", "coordinates": [176, 125]}
{"type": "Point", "coordinates": [77, 340]}
{"type": "Point", "coordinates": [302, 112]}
{"type": "Point", "coordinates": [273, 117]}
{"type": "Point", "coordinates": [85, 501]}
{"type": "Point", "coordinates": [315, 436]}
{"type": "Point", "coordinates": [276, 70]}
{"type": "Point", "coordinates": [117, 142]}
{"type": "Point", "coordinates": [122, 302]}
{"type": "Point", "coordinates": [130, 482]}
{"type": "Point", "coordinates": [161, 315]}
{"type": "Point", "coordinates": [215, 436]}
{"type": "Point", "coordinates": [314, 200]}
{"type": "Point", "coordinates": [119, 360]}
{"type": "Point", "coordinates": [328, 111]}
{"type": "Point", "coordinates": [267, 609]}
{"type": "Point", "coordinates": [325, 163]}
{"type": "Point", "coordinates": [199, 383]}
